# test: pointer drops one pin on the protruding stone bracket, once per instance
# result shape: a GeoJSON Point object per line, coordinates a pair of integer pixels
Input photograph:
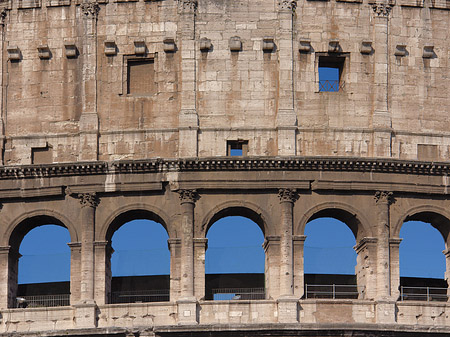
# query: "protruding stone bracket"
{"type": "Point", "coordinates": [366, 47]}
{"type": "Point", "coordinates": [334, 46]}
{"type": "Point", "coordinates": [205, 45]}
{"type": "Point", "coordinates": [235, 44]}
{"type": "Point", "coordinates": [400, 50]}
{"type": "Point", "coordinates": [428, 52]}
{"type": "Point", "coordinates": [14, 54]}
{"type": "Point", "coordinates": [305, 45]}
{"type": "Point", "coordinates": [44, 52]}
{"type": "Point", "coordinates": [268, 45]}
{"type": "Point", "coordinates": [284, 5]}
{"type": "Point", "coordinates": [71, 50]}
{"type": "Point", "coordinates": [383, 197]}
{"type": "Point", "coordinates": [288, 195]}
{"type": "Point", "coordinates": [188, 196]}
{"type": "Point", "coordinates": [169, 45]}
{"type": "Point", "coordinates": [140, 47]}
{"type": "Point", "coordinates": [110, 48]}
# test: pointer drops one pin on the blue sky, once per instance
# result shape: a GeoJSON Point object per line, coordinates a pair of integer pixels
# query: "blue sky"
{"type": "Point", "coordinates": [141, 249]}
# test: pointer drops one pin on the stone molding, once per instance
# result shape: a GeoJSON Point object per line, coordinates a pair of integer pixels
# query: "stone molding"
{"type": "Point", "coordinates": [288, 195]}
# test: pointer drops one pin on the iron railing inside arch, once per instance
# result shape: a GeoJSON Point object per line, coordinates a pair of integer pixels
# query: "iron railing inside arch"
{"type": "Point", "coordinates": [423, 294]}
{"type": "Point", "coordinates": [333, 291]}
{"type": "Point", "coordinates": [224, 294]}
{"type": "Point", "coordinates": [140, 296]}
{"type": "Point", "coordinates": [42, 301]}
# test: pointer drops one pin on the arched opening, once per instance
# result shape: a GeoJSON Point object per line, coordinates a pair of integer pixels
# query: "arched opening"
{"type": "Point", "coordinates": [139, 262]}
{"type": "Point", "coordinates": [422, 262]}
{"type": "Point", "coordinates": [330, 260]}
{"type": "Point", "coordinates": [39, 264]}
{"type": "Point", "coordinates": [234, 259]}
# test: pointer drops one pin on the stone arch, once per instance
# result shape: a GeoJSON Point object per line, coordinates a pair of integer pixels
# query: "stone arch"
{"type": "Point", "coordinates": [132, 212]}
{"type": "Point", "coordinates": [354, 219]}
{"type": "Point", "coordinates": [438, 217]}
{"type": "Point", "coordinates": [237, 208]}
{"type": "Point", "coordinates": [24, 223]}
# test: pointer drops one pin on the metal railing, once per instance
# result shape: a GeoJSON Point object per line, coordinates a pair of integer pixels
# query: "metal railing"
{"type": "Point", "coordinates": [423, 294]}
{"type": "Point", "coordinates": [333, 291]}
{"type": "Point", "coordinates": [140, 296]}
{"type": "Point", "coordinates": [330, 86]}
{"type": "Point", "coordinates": [42, 301]}
{"type": "Point", "coordinates": [223, 294]}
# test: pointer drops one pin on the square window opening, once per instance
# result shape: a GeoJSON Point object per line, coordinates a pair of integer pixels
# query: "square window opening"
{"type": "Point", "coordinates": [140, 77]}
{"type": "Point", "coordinates": [237, 148]}
{"type": "Point", "coordinates": [330, 73]}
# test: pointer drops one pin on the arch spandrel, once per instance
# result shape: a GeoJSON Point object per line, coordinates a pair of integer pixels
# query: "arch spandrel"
{"type": "Point", "coordinates": [131, 212]}
{"type": "Point", "coordinates": [437, 216]}
{"type": "Point", "coordinates": [354, 219]}
{"type": "Point", "coordinates": [25, 222]}
{"type": "Point", "coordinates": [237, 208]}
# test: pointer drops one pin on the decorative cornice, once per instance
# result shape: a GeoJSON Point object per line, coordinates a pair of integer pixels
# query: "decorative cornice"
{"type": "Point", "coordinates": [383, 197]}
{"type": "Point", "coordinates": [288, 195]}
{"type": "Point", "coordinates": [189, 6]}
{"type": "Point", "coordinates": [287, 5]}
{"type": "Point", "coordinates": [227, 164]}
{"type": "Point", "coordinates": [90, 9]}
{"type": "Point", "coordinates": [88, 199]}
{"type": "Point", "coordinates": [381, 9]}
{"type": "Point", "coordinates": [188, 196]}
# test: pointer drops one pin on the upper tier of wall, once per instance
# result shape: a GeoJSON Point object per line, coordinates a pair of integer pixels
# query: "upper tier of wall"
{"type": "Point", "coordinates": [144, 79]}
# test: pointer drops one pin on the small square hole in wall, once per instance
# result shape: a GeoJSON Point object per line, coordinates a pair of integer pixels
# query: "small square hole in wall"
{"type": "Point", "coordinates": [140, 77]}
{"type": "Point", "coordinates": [330, 73]}
{"type": "Point", "coordinates": [42, 155]}
{"type": "Point", "coordinates": [237, 148]}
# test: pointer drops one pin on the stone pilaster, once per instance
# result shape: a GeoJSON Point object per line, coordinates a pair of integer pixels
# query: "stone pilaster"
{"type": "Point", "coordinates": [5, 295]}
{"type": "Point", "coordinates": [175, 266]}
{"type": "Point", "coordinates": [3, 16]}
{"type": "Point", "coordinates": [366, 268]}
{"type": "Point", "coordinates": [286, 120]}
{"type": "Point", "coordinates": [75, 271]}
{"type": "Point", "coordinates": [272, 266]}
{"type": "Point", "coordinates": [188, 117]}
{"type": "Point", "coordinates": [383, 200]}
{"type": "Point", "coordinates": [381, 120]}
{"type": "Point", "coordinates": [394, 255]}
{"type": "Point", "coordinates": [200, 247]}
{"type": "Point", "coordinates": [102, 284]}
{"type": "Point", "coordinates": [88, 96]}
{"type": "Point", "coordinates": [447, 270]}
{"type": "Point", "coordinates": [187, 305]}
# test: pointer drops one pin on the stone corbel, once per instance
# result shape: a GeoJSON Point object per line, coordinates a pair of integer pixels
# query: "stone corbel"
{"type": "Point", "coordinates": [305, 45]}
{"type": "Point", "coordinates": [268, 45]}
{"type": "Point", "coordinates": [14, 53]}
{"type": "Point", "coordinates": [366, 47]}
{"type": "Point", "coordinates": [139, 47]}
{"type": "Point", "coordinates": [169, 45]}
{"type": "Point", "coordinates": [205, 44]}
{"type": "Point", "coordinates": [235, 44]}
{"type": "Point", "coordinates": [71, 49]}
{"type": "Point", "coordinates": [110, 48]}
{"type": "Point", "coordinates": [44, 52]}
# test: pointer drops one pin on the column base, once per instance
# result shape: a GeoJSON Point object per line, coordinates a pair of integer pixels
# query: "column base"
{"type": "Point", "coordinates": [187, 311]}
{"type": "Point", "coordinates": [287, 309]}
{"type": "Point", "coordinates": [385, 311]}
{"type": "Point", "coordinates": [86, 314]}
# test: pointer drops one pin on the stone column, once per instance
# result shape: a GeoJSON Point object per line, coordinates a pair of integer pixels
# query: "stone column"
{"type": "Point", "coordinates": [200, 246]}
{"type": "Point", "coordinates": [88, 95]}
{"type": "Point", "coordinates": [3, 73]}
{"type": "Point", "coordinates": [383, 200]}
{"type": "Point", "coordinates": [86, 308]}
{"type": "Point", "coordinates": [287, 198]}
{"type": "Point", "coordinates": [299, 271]}
{"type": "Point", "coordinates": [187, 307]}
{"type": "Point", "coordinates": [175, 265]}
{"type": "Point", "coordinates": [381, 120]}
{"type": "Point", "coordinates": [385, 307]}
{"type": "Point", "coordinates": [75, 270]}
{"type": "Point", "coordinates": [286, 120]}
{"type": "Point", "coordinates": [188, 117]}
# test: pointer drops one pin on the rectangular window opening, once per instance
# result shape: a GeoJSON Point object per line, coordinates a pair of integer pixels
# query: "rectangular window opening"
{"type": "Point", "coordinates": [140, 77]}
{"type": "Point", "coordinates": [330, 73]}
{"type": "Point", "coordinates": [237, 148]}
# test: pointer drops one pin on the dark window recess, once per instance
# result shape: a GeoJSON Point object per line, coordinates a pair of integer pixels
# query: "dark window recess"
{"type": "Point", "coordinates": [236, 148]}
{"type": "Point", "coordinates": [42, 155]}
{"type": "Point", "coordinates": [330, 73]}
{"type": "Point", "coordinates": [140, 77]}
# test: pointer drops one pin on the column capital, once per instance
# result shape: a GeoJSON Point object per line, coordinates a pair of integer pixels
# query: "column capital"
{"type": "Point", "coordinates": [384, 197]}
{"type": "Point", "coordinates": [88, 199]}
{"type": "Point", "coordinates": [381, 9]}
{"type": "Point", "coordinates": [287, 5]}
{"type": "Point", "coordinates": [188, 196]}
{"type": "Point", "coordinates": [90, 9]}
{"type": "Point", "coordinates": [288, 195]}
{"type": "Point", "coordinates": [188, 6]}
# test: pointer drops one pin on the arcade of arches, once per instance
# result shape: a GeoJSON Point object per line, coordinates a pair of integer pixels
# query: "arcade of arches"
{"type": "Point", "coordinates": [375, 219]}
